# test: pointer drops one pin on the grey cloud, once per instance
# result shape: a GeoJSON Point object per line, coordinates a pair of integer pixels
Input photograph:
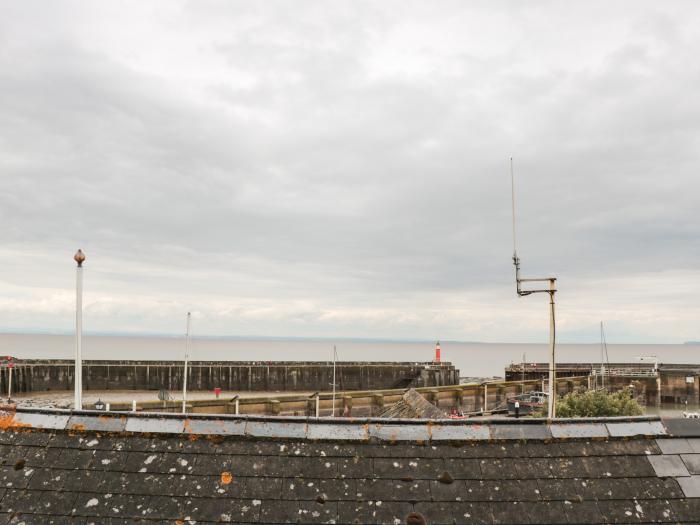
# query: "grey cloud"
{"type": "Point", "coordinates": [350, 155]}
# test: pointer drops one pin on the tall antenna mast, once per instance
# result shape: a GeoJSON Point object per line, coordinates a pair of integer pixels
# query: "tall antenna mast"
{"type": "Point", "coordinates": [187, 357]}
{"type": "Point", "coordinates": [551, 290]}
{"type": "Point", "coordinates": [335, 358]}
{"type": "Point", "coordinates": [512, 199]}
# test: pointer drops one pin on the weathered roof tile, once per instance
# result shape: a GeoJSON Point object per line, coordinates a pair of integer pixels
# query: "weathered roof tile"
{"type": "Point", "coordinates": [355, 467]}
{"type": "Point", "coordinates": [547, 512]}
{"type": "Point", "coordinates": [416, 468]}
{"type": "Point", "coordinates": [440, 512]}
{"type": "Point", "coordinates": [102, 423]}
{"type": "Point", "coordinates": [459, 432]}
{"type": "Point", "coordinates": [682, 427]}
{"type": "Point", "coordinates": [272, 511]}
{"type": "Point", "coordinates": [675, 446]}
{"type": "Point", "coordinates": [463, 468]}
{"type": "Point", "coordinates": [692, 462]}
{"type": "Point", "coordinates": [40, 420]}
{"type": "Point", "coordinates": [73, 459]}
{"type": "Point", "coordinates": [276, 429]}
{"type": "Point", "coordinates": [520, 432]}
{"type": "Point", "coordinates": [690, 486]}
{"type": "Point", "coordinates": [660, 488]}
{"type": "Point", "coordinates": [579, 430]}
{"type": "Point", "coordinates": [637, 428]}
{"type": "Point", "coordinates": [338, 432]}
{"type": "Point", "coordinates": [399, 432]}
{"type": "Point", "coordinates": [210, 427]}
{"type": "Point", "coordinates": [155, 425]}
{"type": "Point", "coordinates": [499, 468]}
{"type": "Point", "coordinates": [313, 488]}
{"type": "Point", "coordinates": [110, 505]}
{"type": "Point", "coordinates": [122, 477]}
{"type": "Point", "coordinates": [513, 512]}
{"type": "Point", "coordinates": [668, 465]}
{"type": "Point", "coordinates": [637, 511]}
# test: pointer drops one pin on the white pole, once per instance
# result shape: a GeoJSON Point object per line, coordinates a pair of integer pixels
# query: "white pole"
{"type": "Point", "coordinates": [78, 382]}
{"type": "Point", "coordinates": [602, 356]}
{"type": "Point", "coordinates": [187, 355]}
{"type": "Point", "coordinates": [552, 413]}
{"type": "Point", "coordinates": [9, 384]}
{"type": "Point", "coordinates": [238, 406]}
{"type": "Point", "coordinates": [318, 404]}
{"type": "Point", "coordinates": [335, 356]}
{"type": "Point", "coordinates": [133, 405]}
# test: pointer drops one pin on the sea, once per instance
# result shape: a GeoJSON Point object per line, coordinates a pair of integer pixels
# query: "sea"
{"type": "Point", "coordinates": [472, 359]}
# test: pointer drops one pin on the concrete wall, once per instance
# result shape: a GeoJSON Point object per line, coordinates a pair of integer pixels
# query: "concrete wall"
{"type": "Point", "coordinates": [36, 375]}
{"type": "Point", "coordinates": [468, 398]}
{"type": "Point", "coordinates": [673, 383]}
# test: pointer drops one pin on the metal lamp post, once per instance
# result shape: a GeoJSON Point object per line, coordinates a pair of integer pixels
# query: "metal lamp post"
{"type": "Point", "coordinates": [78, 383]}
{"type": "Point", "coordinates": [551, 290]}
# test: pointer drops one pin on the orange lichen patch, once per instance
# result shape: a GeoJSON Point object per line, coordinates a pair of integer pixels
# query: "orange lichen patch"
{"type": "Point", "coordinates": [187, 426]}
{"type": "Point", "coordinates": [110, 418]}
{"type": "Point", "coordinates": [226, 478]}
{"type": "Point", "coordinates": [179, 522]}
{"type": "Point", "coordinates": [78, 426]}
{"type": "Point", "coordinates": [7, 421]}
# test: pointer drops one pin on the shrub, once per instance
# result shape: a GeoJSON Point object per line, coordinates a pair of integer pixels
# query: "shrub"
{"type": "Point", "coordinates": [598, 403]}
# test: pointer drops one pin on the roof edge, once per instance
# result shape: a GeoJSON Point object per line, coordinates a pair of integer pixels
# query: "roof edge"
{"type": "Point", "coordinates": [336, 429]}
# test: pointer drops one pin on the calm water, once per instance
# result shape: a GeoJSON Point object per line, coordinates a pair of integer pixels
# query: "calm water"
{"type": "Point", "coordinates": [472, 359]}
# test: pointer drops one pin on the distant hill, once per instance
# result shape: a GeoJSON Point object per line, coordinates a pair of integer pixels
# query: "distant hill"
{"type": "Point", "coordinates": [692, 343]}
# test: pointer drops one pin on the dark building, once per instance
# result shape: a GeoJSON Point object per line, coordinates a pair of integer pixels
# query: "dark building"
{"type": "Point", "coordinates": [63, 467]}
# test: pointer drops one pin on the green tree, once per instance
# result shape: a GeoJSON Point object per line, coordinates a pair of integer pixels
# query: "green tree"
{"type": "Point", "coordinates": [598, 403]}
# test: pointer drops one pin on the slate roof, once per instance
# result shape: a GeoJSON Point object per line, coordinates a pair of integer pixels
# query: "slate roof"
{"type": "Point", "coordinates": [412, 405]}
{"type": "Point", "coordinates": [63, 467]}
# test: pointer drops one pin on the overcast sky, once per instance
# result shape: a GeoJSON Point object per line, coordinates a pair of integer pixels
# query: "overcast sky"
{"type": "Point", "coordinates": [341, 168]}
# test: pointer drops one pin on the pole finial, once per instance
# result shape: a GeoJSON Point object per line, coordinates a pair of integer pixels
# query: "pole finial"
{"type": "Point", "coordinates": [79, 257]}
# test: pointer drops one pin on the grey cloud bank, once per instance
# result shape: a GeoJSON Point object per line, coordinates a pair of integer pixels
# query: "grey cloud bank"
{"type": "Point", "coordinates": [337, 168]}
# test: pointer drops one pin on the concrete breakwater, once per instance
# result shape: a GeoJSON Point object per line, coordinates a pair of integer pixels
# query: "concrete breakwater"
{"type": "Point", "coordinates": [42, 375]}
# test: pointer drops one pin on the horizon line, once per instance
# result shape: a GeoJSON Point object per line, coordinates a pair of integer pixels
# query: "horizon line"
{"type": "Point", "coordinates": [251, 337]}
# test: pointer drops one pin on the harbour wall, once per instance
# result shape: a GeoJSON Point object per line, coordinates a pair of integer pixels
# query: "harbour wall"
{"type": "Point", "coordinates": [290, 376]}
{"type": "Point", "coordinates": [472, 398]}
{"type": "Point", "coordinates": [660, 383]}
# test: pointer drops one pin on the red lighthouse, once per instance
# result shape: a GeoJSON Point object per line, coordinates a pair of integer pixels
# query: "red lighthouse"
{"type": "Point", "coordinates": [437, 352]}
